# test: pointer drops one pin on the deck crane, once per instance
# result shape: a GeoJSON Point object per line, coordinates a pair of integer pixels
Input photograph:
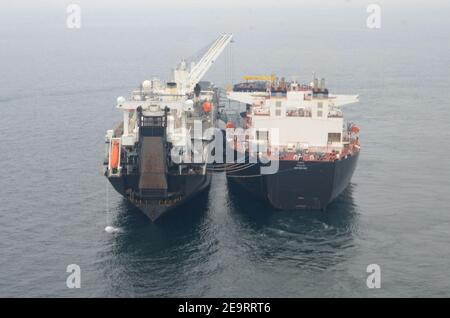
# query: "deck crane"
{"type": "Point", "coordinates": [188, 79]}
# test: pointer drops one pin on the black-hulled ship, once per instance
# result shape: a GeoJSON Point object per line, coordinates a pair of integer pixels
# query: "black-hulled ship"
{"type": "Point", "coordinates": [295, 151]}
{"type": "Point", "coordinates": [155, 157]}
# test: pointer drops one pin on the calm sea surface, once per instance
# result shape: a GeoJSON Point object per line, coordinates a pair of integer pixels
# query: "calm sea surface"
{"type": "Point", "coordinates": [57, 94]}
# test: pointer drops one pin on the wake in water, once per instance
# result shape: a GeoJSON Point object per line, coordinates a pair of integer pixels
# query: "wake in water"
{"type": "Point", "coordinates": [112, 229]}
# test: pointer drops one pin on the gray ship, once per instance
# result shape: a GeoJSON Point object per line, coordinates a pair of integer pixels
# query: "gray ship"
{"type": "Point", "coordinates": [156, 156]}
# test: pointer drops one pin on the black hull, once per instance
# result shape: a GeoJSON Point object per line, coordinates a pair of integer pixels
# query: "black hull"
{"type": "Point", "coordinates": [184, 188]}
{"type": "Point", "coordinates": [297, 185]}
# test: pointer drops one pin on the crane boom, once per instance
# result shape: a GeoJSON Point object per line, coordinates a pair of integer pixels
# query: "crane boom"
{"type": "Point", "coordinates": [202, 66]}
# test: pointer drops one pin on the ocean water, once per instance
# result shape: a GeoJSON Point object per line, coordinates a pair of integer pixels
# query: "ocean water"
{"type": "Point", "coordinates": [57, 93]}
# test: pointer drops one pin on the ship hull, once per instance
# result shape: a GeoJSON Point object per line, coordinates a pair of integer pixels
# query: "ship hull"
{"type": "Point", "coordinates": [183, 189]}
{"type": "Point", "coordinates": [298, 185]}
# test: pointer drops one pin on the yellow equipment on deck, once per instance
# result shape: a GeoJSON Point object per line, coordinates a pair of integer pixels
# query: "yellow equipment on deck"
{"type": "Point", "coordinates": [267, 78]}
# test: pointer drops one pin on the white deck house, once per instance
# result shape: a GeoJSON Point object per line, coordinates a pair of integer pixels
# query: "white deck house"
{"type": "Point", "coordinates": [306, 116]}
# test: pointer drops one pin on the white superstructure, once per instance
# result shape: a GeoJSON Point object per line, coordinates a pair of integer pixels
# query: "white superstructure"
{"type": "Point", "coordinates": [306, 116]}
{"type": "Point", "coordinates": [179, 95]}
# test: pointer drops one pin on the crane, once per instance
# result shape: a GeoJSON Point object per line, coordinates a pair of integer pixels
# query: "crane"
{"type": "Point", "coordinates": [199, 69]}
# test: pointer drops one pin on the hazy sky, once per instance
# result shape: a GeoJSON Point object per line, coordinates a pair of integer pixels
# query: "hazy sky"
{"type": "Point", "coordinates": [15, 10]}
{"type": "Point", "coordinates": [10, 5]}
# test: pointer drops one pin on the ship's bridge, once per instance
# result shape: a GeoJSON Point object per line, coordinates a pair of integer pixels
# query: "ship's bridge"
{"type": "Point", "coordinates": [302, 114]}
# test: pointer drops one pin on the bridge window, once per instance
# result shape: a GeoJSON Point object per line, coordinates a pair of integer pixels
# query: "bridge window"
{"type": "Point", "coordinates": [334, 137]}
{"type": "Point", "coordinates": [262, 135]}
{"type": "Point", "coordinates": [278, 108]}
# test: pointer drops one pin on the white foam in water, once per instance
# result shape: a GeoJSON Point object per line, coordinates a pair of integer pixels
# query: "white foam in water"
{"type": "Point", "coordinates": [112, 229]}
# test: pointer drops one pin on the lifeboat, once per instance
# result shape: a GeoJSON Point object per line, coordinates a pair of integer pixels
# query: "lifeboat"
{"type": "Point", "coordinates": [230, 125]}
{"type": "Point", "coordinates": [355, 129]}
{"type": "Point", "coordinates": [115, 153]}
{"type": "Point", "coordinates": [207, 107]}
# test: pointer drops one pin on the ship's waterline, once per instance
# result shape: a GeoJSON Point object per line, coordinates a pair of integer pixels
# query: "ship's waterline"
{"type": "Point", "coordinates": [302, 130]}
{"type": "Point", "coordinates": [57, 87]}
{"type": "Point", "coordinates": [157, 122]}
